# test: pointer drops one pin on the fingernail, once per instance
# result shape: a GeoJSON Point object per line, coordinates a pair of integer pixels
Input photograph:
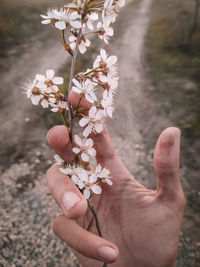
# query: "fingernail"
{"type": "Point", "coordinates": [69, 200]}
{"type": "Point", "coordinates": [107, 253]}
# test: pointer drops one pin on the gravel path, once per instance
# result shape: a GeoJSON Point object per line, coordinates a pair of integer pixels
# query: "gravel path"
{"type": "Point", "coordinates": [26, 208]}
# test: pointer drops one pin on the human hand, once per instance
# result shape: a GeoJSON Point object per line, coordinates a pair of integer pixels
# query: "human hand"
{"type": "Point", "coordinates": [142, 225]}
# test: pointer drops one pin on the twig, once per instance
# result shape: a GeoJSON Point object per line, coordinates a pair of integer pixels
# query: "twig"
{"type": "Point", "coordinates": [70, 113]}
{"type": "Point", "coordinates": [97, 224]}
{"type": "Point", "coordinates": [95, 217]}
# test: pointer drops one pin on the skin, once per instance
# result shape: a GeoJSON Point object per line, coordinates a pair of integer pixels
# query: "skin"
{"type": "Point", "coordinates": [141, 225]}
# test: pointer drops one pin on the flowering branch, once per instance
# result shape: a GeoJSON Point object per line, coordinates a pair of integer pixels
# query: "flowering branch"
{"type": "Point", "coordinates": [76, 21]}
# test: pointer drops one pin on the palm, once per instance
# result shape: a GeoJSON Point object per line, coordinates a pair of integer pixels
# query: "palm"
{"type": "Point", "coordinates": [143, 224]}
{"type": "Point", "coordinates": [129, 216]}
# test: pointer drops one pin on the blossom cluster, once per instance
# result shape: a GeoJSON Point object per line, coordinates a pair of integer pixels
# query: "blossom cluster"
{"type": "Point", "coordinates": [44, 89]}
{"type": "Point", "coordinates": [82, 15]}
{"type": "Point", "coordinates": [98, 85]}
{"type": "Point", "coordinates": [87, 180]}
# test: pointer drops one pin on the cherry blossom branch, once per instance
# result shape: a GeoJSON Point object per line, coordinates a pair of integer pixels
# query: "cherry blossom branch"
{"type": "Point", "coordinates": [78, 18]}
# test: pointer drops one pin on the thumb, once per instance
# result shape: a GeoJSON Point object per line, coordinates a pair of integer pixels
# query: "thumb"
{"type": "Point", "coordinates": [166, 162]}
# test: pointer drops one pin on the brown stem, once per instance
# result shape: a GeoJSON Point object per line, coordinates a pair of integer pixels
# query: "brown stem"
{"type": "Point", "coordinates": [97, 224]}
{"type": "Point", "coordinates": [70, 112]}
{"type": "Point", "coordinates": [95, 217]}
{"type": "Point", "coordinates": [93, 70]}
{"type": "Point", "coordinates": [63, 118]}
{"type": "Point", "coordinates": [63, 37]}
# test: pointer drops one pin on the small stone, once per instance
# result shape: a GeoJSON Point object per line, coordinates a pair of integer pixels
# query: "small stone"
{"type": "Point", "coordinates": [187, 239]}
{"type": "Point", "coordinates": [38, 153]}
{"type": "Point", "coordinates": [7, 253]}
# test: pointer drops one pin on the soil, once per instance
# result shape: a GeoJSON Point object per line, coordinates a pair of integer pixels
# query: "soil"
{"type": "Point", "coordinates": [26, 207]}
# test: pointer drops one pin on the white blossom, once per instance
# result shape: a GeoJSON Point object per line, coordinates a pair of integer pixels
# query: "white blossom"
{"type": "Point", "coordinates": [93, 121]}
{"type": "Point", "coordinates": [96, 189]}
{"type": "Point", "coordinates": [108, 14]}
{"type": "Point", "coordinates": [45, 102]}
{"type": "Point", "coordinates": [78, 175]}
{"type": "Point", "coordinates": [48, 17]}
{"type": "Point", "coordinates": [76, 4]}
{"type": "Point", "coordinates": [83, 180]}
{"type": "Point", "coordinates": [104, 31]}
{"type": "Point", "coordinates": [110, 10]}
{"type": "Point", "coordinates": [59, 106]}
{"type": "Point", "coordinates": [111, 82]}
{"type": "Point", "coordinates": [82, 46]}
{"type": "Point", "coordinates": [87, 88]}
{"type": "Point", "coordinates": [49, 82]}
{"type": "Point", "coordinates": [62, 18]}
{"type": "Point", "coordinates": [58, 159]}
{"type": "Point", "coordinates": [85, 147]}
{"type": "Point", "coordinates": [103, 174]}
{"type": "Point", "coordinates": [107, 63]}
{"type": "Point", "coordinates": [108, 103]}
{"type": "Point", "coordinates": [33, 92]}
{"type": "Point", "coordinates": [89, 20]}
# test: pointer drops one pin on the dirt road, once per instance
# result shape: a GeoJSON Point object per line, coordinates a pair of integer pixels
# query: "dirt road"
{"type": "Point", "coordinates": [26, 206]}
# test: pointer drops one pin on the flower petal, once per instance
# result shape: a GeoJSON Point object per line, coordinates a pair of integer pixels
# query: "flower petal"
{"type": "Point", "coordinates": [103, 54]}
{"type": "Point", "coordinates": [76, 24]}
{"type": "Point", "coordinates": [93, 178]}
{"type": "Point", "coordinates": [98, 127]}
{"type": "Point", "coordinates": [112, 60]}
{"type": "Point", "coordinates": [82, 48]}
{"type": "Point", "coordinates": [76, 90]}
{"type": "Point", "coordinates": [72, 38]}
{"type": "Point", "coordinates": [84, 157]}
{"type": "Point", "coordinates": [92, 112]}
{"type": "Point", "coordinates": [96, 189]}
{"type": "Point", "coordinates": [89, 142]}
{"type": "Point", "coordinates": [76, 150]}
{"type": "Point", "coordinates": [50, 74]}
{"type": "Point", "coordinates": [108, 181]}
{"type": "Point", "coordinates": [54, 109]}
{"type": "Point", "coordinates": [86, 193]}
{"type": "Point", "coordinates": [40, 77]}
{"type": "Point", "coordinates": [44, 103]}
{"type": "Point", "coordinates": [93, 16]}
{"type": "Point", "coordinates": [89, 98]}
{"type": "Point", "coordinates": [75, 179]}
{"type": "Point", "coordinates": [83, 122]}
{"type": "Point", "coordinates": [35, 99]}
{"type": "Point", "coordinates": [46, 21]}
{"type": "Point", "coordinates": [64, 171]}
{"type": "Point", "coordinates": [91, 152]}
{"type": "Point", "coordinates": [76, 83]}
{"type": "Point", "coordinates": [61, 25]}
{"type": "Point", "coordinates": [58, 80]}
{"type": "Point", "coordinates": [78, 140]}
{"type": "Point", "coordinates": [87, 130]}
{"type": "Point", "coordinates": [58, 159]}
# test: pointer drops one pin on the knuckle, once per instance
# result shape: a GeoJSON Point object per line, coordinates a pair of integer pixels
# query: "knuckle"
{"type": "Point", "coordinates": [56, 224]}
{"type": "Point", "coordinates": [165, 167]}
{"type": "Point", "coordinates": [50, 176]}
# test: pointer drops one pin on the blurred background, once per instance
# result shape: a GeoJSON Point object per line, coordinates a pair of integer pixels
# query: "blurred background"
{"type": "Point", "coordinates": [157, 44]}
